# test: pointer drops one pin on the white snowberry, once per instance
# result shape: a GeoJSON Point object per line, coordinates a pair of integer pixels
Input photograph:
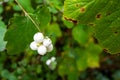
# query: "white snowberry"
{"type": "Point", "coordinates": [53, 58]}
{"type": "Point", "coordinates": [42, 50]}
{"type": "Point", "coordinates": [48, 62]}
{"type": "Point", "coordinates": [51, 63]}
{"type": "Point", "coordinates": [38, 37]}
{"type": "Point", "coordinates": [33, 45]}
{"type": "Point", "coordinates": [49, 48]}
{"type": "Point", "coordinates": [47, 42]}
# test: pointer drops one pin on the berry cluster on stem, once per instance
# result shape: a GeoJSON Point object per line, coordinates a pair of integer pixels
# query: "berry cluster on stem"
{"type": "Point", "coordinates": [41, 44]}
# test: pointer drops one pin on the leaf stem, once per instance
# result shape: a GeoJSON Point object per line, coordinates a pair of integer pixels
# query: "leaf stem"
{"type": "Point", "coordinates": [28, 15]}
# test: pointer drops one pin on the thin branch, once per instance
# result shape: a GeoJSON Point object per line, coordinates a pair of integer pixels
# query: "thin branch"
{"type": "Point", "coordinates": [28, 15]}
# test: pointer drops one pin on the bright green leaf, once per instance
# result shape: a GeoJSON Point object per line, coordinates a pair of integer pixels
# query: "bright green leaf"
{"type": "Point", "coordinates": [68, 24]}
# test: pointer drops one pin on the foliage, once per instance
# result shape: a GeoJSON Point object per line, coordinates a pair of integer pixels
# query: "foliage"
{"type": "Point", "coordinates": [102, 15]}
{"type": "Point", "coordinates": [83, 32]}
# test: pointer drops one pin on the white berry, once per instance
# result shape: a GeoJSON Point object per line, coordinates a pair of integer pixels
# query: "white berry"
{"type": "Point", "coordinates": [42, 50]}
{"type": "Point", "coordinates": [33, 45]}
{"type": "Point", "coordinates": [48, 62]}
{"type": "Point", "coordinates": [49, 48]}
{"type": "Point", "coordinates": [38, 37]}
{"type": "Point", "coordinates": [47, 42]}
{"type": "Point", "coordinates": [53, 58]}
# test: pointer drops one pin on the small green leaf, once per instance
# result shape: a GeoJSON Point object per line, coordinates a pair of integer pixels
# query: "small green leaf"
{"type": "Point", "coordinates": [80, 35]}
{"type": "Point", "coordinates": [68, 24]}
{"type": "Point", "coordinates": [54, 29]}
{"type": "Point", "coordinates": [42, 16]}
{"type": "Point", "coordinates": [2, 33]}
{"type": "Point", "coordinates": [26, 4]}
{"type": "Point", "coordinates": [1, 9]}
{"type": "Point", "coordinates": [19, 34]}
{"type": "Point", "coordinates": [93, 55]}
{"type": "Point", "coordinates": [81, 59]}
{"type": "Point", "coordinates": [55, 4]}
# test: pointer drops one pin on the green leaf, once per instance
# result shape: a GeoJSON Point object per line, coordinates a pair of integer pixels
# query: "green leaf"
{"type": "Point", "coordinates": [68, 24]}
{"type": "Point", "coordinates": [93, 55]}
{"type": "Point", "coordinates": [2, 33]}
{"type": "Point", "coordinates": [1, 9]}
{"type": "Point", "coordinates": [5, 74]}
{"type": "Point", "coordinates": [68, 67]}
{"type": "Point", "coordinates": [88, 57]}
{"type": "Point", "coordinates": [83, 11]}
{"type": "Point", "coordinates": [81, 59]}
{"type": "Point", "coordinates": [54, 29]}
{"type": "Point", "coordinates": [42, 16]}
{"type": "Point", "coordinates": [12, 77]}
{"type": "Point", "coordinates": [19, 34]}
{"type": "Point", "coordinates": [26, 4]}
{"type": "Point", "coordinates": [102, 15]}
{"type": "Point", "coordinates": [107, 31]}
{"type": "Point", "coordinates": [80, 35]}
{"type": "Point", "coordinates": [55, 4]}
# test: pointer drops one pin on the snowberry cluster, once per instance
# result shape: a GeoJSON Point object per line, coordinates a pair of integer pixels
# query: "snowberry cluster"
{"type": "Point", "coordinates": [51, 63]}
{"type": "Point", "coordinates": [41, 44]}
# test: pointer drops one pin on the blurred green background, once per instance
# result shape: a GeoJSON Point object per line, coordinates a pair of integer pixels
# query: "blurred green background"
{"type": "Point", "coordinates": [78, 55]}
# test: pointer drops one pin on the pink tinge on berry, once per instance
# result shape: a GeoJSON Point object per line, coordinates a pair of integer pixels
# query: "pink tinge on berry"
{"type": "Point", "coordinates": [38, 37]}
{"type": "Point", "coordinates": [42, 50]}
{"type": "Point", "coordinates": [33, 45]}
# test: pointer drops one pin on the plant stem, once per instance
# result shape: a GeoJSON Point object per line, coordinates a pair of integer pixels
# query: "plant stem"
{"type": "Point", "coordinates": [28, 15]}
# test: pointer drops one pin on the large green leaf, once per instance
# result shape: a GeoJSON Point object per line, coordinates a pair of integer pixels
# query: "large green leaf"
{"type": "Point", "coordinates": [103, 15]}
{"type": "Point", "coordinates": [2, 33]}
{"type": "Point", "coordinates": [19, 34]}
{"type": "Point", "coordinates": [107, 31]}
{"type": "Point", "coordinates": [83, 10]}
